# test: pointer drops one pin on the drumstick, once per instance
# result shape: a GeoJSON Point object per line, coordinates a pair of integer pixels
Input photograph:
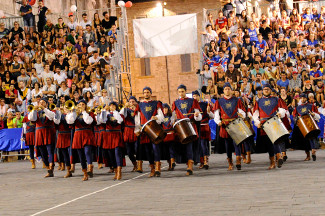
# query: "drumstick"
{"type": "Point", "coordinates": [191, 113]}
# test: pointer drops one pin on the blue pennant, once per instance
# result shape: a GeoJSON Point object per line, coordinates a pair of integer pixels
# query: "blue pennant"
{"type": "Point", "coordinates": [268, 105]}
{"type": "Point", "coordinates": [229, 106]}
{"type": "Point", "coordinates": [184, 105]}
{"type": "Point", "coordinates": [148, 109]}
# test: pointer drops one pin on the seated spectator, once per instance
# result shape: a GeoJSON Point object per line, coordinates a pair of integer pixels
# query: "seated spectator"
{"type": "Point", "coordinates": [2, 122]}
{"type": "Point", "coordinates": [283, 82]}
{"type": "Point", "coordinates": [234, 57]}
{"type": "Point", "coordinates": [49, 89]}
{"type": "Point", "coordinates": [11, 94]}
{"type": "Point", "coordinates": [205, 74]}
{"type": "Point", "coordinates": [103, 46]}
{"type": "Point", "coordinates": [64, 90]}
{"type": "Point", "coordinates": [256, 70]}
{"type": "Point", "coordinates": [319, 89]}
{"type": "Point", "coordinates": [233, 74]}
{"type": "Point", "coordinates": [113, 32]}
{"type": "Point", "coordinates": [10, 122]}
{"type": "Point", "coordinates": [83, 24]}
{"type": "Point", "coordinates": [3, 107]}
{"type": "Point", "coordinates": [36, 91]}
{"type": "Point", "coordinates": [88, 34]}
{"type": "Point", "coordinates": [18, 120]}
{"type": "Point", "coordinates": [108, 21]}
{"type": "Point", "coordinates": [24, 77]}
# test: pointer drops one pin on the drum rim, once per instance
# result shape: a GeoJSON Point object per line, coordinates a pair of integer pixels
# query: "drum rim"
{"type": "Point", "coordinates": [275, 116]}
{"type": "Point", "coordinates": [184, 119]}
{"type": "Point", "coordinates": [146, 124]}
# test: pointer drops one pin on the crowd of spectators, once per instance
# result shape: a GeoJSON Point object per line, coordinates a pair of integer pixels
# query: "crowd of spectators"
{"type": "Point", "coordinates": [285, 49]}
{"type": "Point", "coordinates": [53, 59]}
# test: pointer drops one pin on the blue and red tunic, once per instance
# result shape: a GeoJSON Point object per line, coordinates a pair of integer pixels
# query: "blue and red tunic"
{"type": "Point", "coordinates": [228, 111]}
{"type": "Point", "coordinates": [129, 125]}
{"type": "Point", "coordinates": [30, 132]}
{"type": "Point", "coordinates": [147, 109]}
{"type": "Point", "coordinates": [167, 125]}
{"type": "Point", "coordinates": [205, 128]}
{"type": "Point", "coordinates": [268, 107]}
{"type": "Point", "coordinates": [64, 133]}
{"type": "Point", "coordinates": [113, 134]}
{"type": "Point", "coordinates": [83, 134]}
{"type": "Point", "coordinates": [44, 130]}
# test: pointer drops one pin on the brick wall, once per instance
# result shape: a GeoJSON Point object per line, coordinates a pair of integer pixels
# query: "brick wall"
{"type": "Point", "coordinates": [158, 79]}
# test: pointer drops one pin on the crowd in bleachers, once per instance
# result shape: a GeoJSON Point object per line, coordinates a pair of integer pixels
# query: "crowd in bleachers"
{"type": "Point", "coordinates": [284, 49]}
{"type": "Point", "coordinates": [56, 60]}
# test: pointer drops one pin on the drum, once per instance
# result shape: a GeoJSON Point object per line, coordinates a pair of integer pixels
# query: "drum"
{"type": "Point", "coordinates": [249, 125]}
{"type": "Point", "coordinates": [308, 126]}
{"type": "Point", "coordinates": [185, 131]}
{"type": "Point", "coordinates": [239, 131]}
{"type": "Point", "coordinates": [275, 130]}
{"type": "Point", "coordinates": [154, 131]}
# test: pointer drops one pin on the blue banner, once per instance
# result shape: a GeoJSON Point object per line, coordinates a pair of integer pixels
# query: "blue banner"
{"type": "Point", "coordinates": [10, 140]}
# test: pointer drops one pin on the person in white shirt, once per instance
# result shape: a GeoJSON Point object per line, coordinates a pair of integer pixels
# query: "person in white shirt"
{"type": "Point", "coordinates": [92, 47]}
{"type": "Point", "coordinates": [64, 90]}
{"type": "Point", "coordinates": [49, 89]}
{"type": "Point", "coordinates": [59, 76]}
{"type": "Point", "coordinates": [94, 60]}
{"type": "Point", "coordinates": [85, 21]}
{"type": "Point", "coordinates": [72, 24]}
{"type": "Point", "coordinates": [47, 73]}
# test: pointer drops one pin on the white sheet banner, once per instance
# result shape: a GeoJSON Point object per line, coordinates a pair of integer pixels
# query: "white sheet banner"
{"type": "Point", "coordinates": [162, 36]}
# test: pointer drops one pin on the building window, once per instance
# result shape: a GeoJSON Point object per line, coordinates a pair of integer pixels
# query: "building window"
{"type": "Point", "coordinates": [186, 63]}
{"type": "Point", "coordinates": [145, 67]}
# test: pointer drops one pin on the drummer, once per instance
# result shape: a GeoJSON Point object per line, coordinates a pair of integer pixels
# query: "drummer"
{"type": "Point", "coordinates": [181, 108]}
{"type": "Point", "coordinates": [227, 109]}
{"type": "Point", "coordinates": [204, 129]}
{"type": "Point", "coordinates": [265, 108]}
{"type": "Point", "coordinates": [145, 111]}
{"type": "Point", "coordinates": [303, 109]}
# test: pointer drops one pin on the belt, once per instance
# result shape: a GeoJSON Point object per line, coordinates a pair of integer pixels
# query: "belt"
{"type": "Point", "coordinates": [228, 120]}
{"type": "Point", "coordinates": [64, 132]}
{"type": "Point", "coordinates": [113, 130]}
{"type": "Point", "coordinates": [102, 130]}
{"type": "Point", "coordinates": [168, 130]}
{"type": "Point", "coordinates": [130, 126]}
{"type": "Point", "coordinates": [31, 131]}
{"type": "Point", "coordinates": [44, 127]}
{"type": "Point", "coordinates": [82, 129]}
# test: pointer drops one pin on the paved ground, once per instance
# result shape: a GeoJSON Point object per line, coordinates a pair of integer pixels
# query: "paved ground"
{"type": "Point", "coordinates": [295, 189]}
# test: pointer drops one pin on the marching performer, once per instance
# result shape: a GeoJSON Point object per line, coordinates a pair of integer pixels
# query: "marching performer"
{"type": "Point", "coordinates": [128, 134]}
{"type": "Point", "coordinates": [43, 118]}
{"type": "Point", "coordinates": [29, 136]}
{"type": "Point", "coordinates": [145, 111]}
{"type": "Point", "coordinates": [64, 138]}
{"type": "Point", "coordinates": [83, 139]}
{"type": "Point", "coordinates": [185, 107]}
{"type": "Point", "coordinates": [227, 109]}
{"type": "Point", "coordinates": [204, 131]}
{"type": "Point", "coordinates": [265, 108]}
{"type": "Point", "coordinates": [112, 139]}
{"type": "Point", "coordinates": [303, 109]}
{"type": "Point", "coordinates": [170, 139]}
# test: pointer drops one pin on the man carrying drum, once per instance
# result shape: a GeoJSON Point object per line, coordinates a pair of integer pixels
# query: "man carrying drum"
{"type": "Point", "coordinates": [227, 109]}
{"type": "Point", "coordinates": [264, 109]}
{"type": "Point", "coordinates": [204, 131]}
{"type": "Point", "coordinates": [306, 108]}
{"type": "Point", "coordinates": [145, 111]}
{"type": "Point", "coordinates": [185, 107]}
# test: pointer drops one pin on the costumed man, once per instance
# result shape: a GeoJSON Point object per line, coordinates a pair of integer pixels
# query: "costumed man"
{"type": "Point", "coordinates": [43, 118]}
{"type": "Point", "coordinates": [204, 129]}
{"type": "Point", "coordinates": [29, 136]}
{"type": "Point", "coordinates": [145, 111]}
{"type": "Point", "coordinates": [112, 139]}
{"type": "Point", "coordinates": [305, 108]}
{"type": "Point", "coordinates": [264, 109]}
{"type": "Point", "coordinates": [83, 138]}
{"type": "Point", "coordinates": [128, 134]}
{"type": "Point", "coordinates": [185, 107]}
{"type": "Point", "coordinates": [227, 109]}
{"type": "Point", "coordinates": [170, 139]}
{"type": "Point", "coordinates": [64, 138]}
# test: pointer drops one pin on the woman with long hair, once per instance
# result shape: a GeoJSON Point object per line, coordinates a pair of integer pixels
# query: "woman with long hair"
{"type": "Point", "coordinates": [96, 21]}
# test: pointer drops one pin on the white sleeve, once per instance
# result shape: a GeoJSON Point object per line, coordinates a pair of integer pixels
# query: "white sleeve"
{"type": "Point", "coordinates": [123, 112]}
{"type": "Point", "coordinates": [282, 112]}
{"type": "Point", "coordinates": [160, 116]}
{"type": "Point", "coordinates": [87, 118]}
{"type": "Point", "coordinates": [71, 117]}
{"type": "Point", "coordinates": [57, 117]}
{"type": "Point", "coordinates": [118, 117]}
{"type": "Point", "coordinates": [255, 118]}
{"type": "Point", "coordinates": [242, 112]}
{"type": "Point", "coordinates": [199, 118]}
{"type": "Point", "coordinates": [173, 118]}
{"type": "Point", "coordinates": [137, 122]}
{"type": "Point", "coordinates": [32, 116]}
{"type": "Point", "coordinates": [317, 116]}
{"type": "Point", "coordinates": [217, 119]}
{"type": "Point", "coordinates": [49, 114]}
{"type": "Point", "coordinates": [211, 115]}
{"type": "Point", "coordinates": [97, 117]}
{"type": "Point", "coordinates": [24, 127]}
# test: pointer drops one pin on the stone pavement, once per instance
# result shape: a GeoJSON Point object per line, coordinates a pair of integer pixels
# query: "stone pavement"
{"type": "Point", "coordinates": [298, 188]}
